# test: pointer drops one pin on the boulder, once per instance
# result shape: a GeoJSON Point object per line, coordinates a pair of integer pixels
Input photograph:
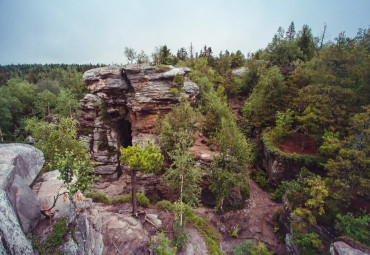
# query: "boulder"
{"type": "Point", "coordinates": [13, 240]}
{"type": "Point", "coordinates": [343, 248]}
{"type": "Point", "coordinates": [49, 186]}
{"type": "Point", "coordinates": [19, 166]}
{"type": "Point", "coordinates": [239, 72]}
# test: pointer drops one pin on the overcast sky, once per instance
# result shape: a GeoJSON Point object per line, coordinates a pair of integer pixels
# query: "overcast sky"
{"type": "Point", "coordinates": [96, 31]}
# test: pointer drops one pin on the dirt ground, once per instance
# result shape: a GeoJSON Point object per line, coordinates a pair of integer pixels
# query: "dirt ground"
{"type": "Point", "coordinates": [255, 221]}
{"type": "Point", "coordinates": [294, 142]}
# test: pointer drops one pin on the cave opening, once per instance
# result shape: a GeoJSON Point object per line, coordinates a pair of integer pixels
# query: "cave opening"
{"type": "Point", "coordinates": [124, 138]}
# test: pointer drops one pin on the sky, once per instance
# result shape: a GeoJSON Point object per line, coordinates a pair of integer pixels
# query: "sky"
{"type": "Point", "coordinates": [97, 31]}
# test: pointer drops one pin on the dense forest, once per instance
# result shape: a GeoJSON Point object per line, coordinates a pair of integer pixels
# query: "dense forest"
{"type": "Point", "coordinates": [303, 98]}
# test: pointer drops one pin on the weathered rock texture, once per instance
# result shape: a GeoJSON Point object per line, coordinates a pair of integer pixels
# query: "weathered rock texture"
{"type": "Point", "coordinates": [106, 229]}
{"type": "Point", "coordinates": [281, 169]}
{"type": "Point", "coordinates": [122, 108]}
{"type": "Point", "coordinates": [19, 209]}
{"type": "Point", "coordinates": [344, 248]}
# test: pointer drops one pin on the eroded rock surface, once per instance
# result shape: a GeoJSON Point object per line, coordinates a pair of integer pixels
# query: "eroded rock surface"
{"type": "Point", "coordinates": [19, 166]}
{"type": "Point", "coordinates": [122, 108]}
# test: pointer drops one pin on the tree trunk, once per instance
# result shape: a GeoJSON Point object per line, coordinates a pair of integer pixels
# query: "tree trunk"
{"type": "Point", "coordinates": [133, 188]}
{"type": "Point", "coordinates": [182, 184]}
{"type": "Point", "coordinates": [304, 141]}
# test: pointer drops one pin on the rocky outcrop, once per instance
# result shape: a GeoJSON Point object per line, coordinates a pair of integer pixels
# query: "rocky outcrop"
{"type": "Point", "coordinates": [105, 229]}
{"type": "Point", "coordinates": [13, 240]}
{"type": "Point", "coordinates": [122, 108]}
{"type": "Point", "coordinates": [19, 166]}
{"type": "Point", "coordinates": [344, 248]}
{"type": "Point", "coordinates": [282, 166]}
{"type": "Point", "coordinates": [239, 72]}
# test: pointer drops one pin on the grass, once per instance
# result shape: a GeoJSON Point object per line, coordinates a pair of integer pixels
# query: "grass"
{"type": "Point", "coordinates": [142, 200]}
{"type": "Point", "coordinates": [202, 224]}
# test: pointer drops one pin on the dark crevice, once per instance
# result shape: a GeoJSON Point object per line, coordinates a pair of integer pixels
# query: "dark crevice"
{"type": "Point", "coordinates": [123, 127]}
{"type": "Point", "coordinates": [125, 78]}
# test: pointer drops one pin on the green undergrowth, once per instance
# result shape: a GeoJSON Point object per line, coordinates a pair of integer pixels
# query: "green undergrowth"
{"type": "Point", "coordinates": [142, 200]}
{"type": "Point", "coordinates": [55, 239]}
{"type": "Point", "coordinates": [202, 224]}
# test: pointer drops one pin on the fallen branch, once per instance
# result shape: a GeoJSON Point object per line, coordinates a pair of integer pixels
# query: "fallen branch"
{"type": "Point", "coordinates": [47, 212]}
{"type": "Point", "coordinates": [150, 222]}
{"type": "Point", "coordinates": [115, 245]}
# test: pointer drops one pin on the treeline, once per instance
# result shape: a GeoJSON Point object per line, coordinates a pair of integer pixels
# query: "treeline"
{"type": "Point", "coordinates": [36, 91]}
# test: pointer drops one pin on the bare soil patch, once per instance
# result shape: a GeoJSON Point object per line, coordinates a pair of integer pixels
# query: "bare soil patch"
{"type": "Point", "coordinates": [255, 221]}
{"type": "Point", "coordinates": [294, 142]}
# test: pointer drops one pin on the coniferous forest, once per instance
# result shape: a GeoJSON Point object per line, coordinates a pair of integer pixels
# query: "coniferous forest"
{"type": "Point", "coordinates": [302, 101]}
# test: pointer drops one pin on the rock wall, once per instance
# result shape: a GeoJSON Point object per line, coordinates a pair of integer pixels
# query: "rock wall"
{"type": "Point", "coordinates": [280, 168]}
{"type": "Point", "coordinates": [19, 209]}
{"type": "Point", "coordinates": [122, 108]}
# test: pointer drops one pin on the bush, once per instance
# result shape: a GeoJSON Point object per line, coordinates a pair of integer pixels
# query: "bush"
{"type": "Point", "coordinates": [60, 229]}
{"type": "Point", "coordinates": [59, 136]}
{"type": "Point", "coordinates": [102, 198]}
{"type": "Point", "coordinates": [174, 92]}
{"type": "Point", "coordinates": [161, 245]}
{"type": "Point", "coordinates": [357, 228]}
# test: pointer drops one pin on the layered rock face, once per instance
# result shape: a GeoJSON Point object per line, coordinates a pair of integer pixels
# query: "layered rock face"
{"type": "Point", "coordinates": [122, 108]}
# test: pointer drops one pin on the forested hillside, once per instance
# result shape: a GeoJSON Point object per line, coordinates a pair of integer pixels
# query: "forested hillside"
{"type": "Point", "coordinates": [304, 101]}
{"type": "Point", "coordinates": [35, 90]}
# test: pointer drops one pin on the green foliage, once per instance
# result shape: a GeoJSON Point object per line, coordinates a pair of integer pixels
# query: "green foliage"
{"type": "Point", "coordinates": [251, 76]}
{"type": "Point", "coordinates": [174, 92]}
{"type": "Point", "coordinates": [295, 185]}
{"type": "Point", "coordinates": [161, 245]}
{"type": "Point", "coordinates": [184, 175]}
{"type": "Point", "coordinates": [60, 229]}
{"type": "Point", "coordinates": [355, 227]}
{"type": "Point", "coordinates": [308, 243]}
{"type": "Point", "coordinates": [233, 231]}
{"type": "Point", "coordinates": [180, 237]}
{"type": "Point", "coordinates": [56, 238]}
{"type": "Point", "coordinates": [283, 126]}
{"type": "Point", "coordinates": [146, 160]}
{"type": "Point", "coordinates": [162, 56]}
{"type": "Point", "coordinates": [261, 178]}
{"type": "Point", "coordinates": [244, 248]}
{"type": "Point", "coordinates": [202, 224]}
{"type": "Point", "coordinates": [59, 136]}
{"type": "Point", "coordinates": [142, 200]}
{"type": "Point", "coordinates": [178, 80]}
{"type": "Point", "coordinates": [229, 167]}
{"type": "Point", "coordinates": [250, 248]}
{"type": "Point", "coordinates": [179, 125]}
{"type": "Point", "coordinates": [266, 99]}
{"type": "Point", "coordinates": [98, 197]}
{"type": "Point", "coordinates": [76, 172]}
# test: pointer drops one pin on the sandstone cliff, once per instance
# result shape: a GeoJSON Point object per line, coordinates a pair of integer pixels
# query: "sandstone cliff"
{"type": "Point", "coordinates": [122, 108]}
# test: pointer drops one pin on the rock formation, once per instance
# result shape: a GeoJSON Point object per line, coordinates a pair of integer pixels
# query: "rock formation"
{"type": "Point", "coordinates": [19, 209]}
{"type": "Point", "coordinates": [122, 108]}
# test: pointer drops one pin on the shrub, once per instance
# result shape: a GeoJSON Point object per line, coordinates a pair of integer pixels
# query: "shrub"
{"type": "Point", "coordinates": [174, 92]}
{"type": "Point", "coordinates": [60, 229]}
{"type": "Point", "coordinates": [357, 228]}
{"type": "Point", "coordinates": [161, 245]}
{"type": "Point", "coordinates": [102, 198]}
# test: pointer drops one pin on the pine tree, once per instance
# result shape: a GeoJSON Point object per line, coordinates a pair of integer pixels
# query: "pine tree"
{"type": "Point", "coordinates": [146, 160]}
{"type": "Point", "coordinates": [290, 33]}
